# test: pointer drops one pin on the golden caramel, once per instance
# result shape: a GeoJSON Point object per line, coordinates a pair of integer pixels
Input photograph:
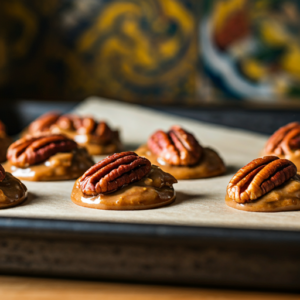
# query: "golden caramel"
{"type": "Point", "coordinates": [61, 166]}
{"type": "Point", "coordinates": [90, 142]}
{"type": "Point", "coordinates": [152, 191]}
{"type": "Point", "coordinates": [210, 165]}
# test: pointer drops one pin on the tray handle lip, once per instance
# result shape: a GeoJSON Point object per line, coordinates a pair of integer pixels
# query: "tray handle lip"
{"type": "Point", "coordinates": [161, 232]}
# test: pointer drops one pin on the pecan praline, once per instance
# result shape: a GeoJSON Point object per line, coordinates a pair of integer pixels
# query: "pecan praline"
{"type": "Point", "coordinates": [86, 125]}
{"type": "Point", "coordinates": [32, 150]}
{"type": "Point", "coordinates": [259, 177]}
{"type": "Point", "coordinates": [177, 146]}
{"type": "Point", "coordinates": [285, 140]}
{"type": "Point", "coordinates": [113, 173]}
{"type": "Point", "coordinates": [96, 136]}
{"type": "Point", "coordinates": [12, 190]}
{"type": "Point", "coordinates": [71, 122]}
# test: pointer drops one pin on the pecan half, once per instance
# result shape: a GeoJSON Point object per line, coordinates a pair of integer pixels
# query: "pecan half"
{"type": "Point", "coordinates": [66, 122]}
{"type": "Point", "coordinates": [259, 177]}
{"type": "Point", "coordinates": [285, 140]}
{"type": "Point", "coordinates": [2, 173]}
{"type": "Point", "coordinates": [43, 123]}
{"type": "Point", "coordinates": [114, 172]}
{"type": "Point", "coordinates": [86, 125]}
{"type": "Point", "coordinates": [32, 150]}
{"type": "Point", "coordinates": [176, 147]}
{"type": "Point", "coordinates": [103, 130]}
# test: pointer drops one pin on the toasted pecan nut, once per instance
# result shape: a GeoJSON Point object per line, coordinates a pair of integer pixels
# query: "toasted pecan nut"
{"type": "Point", "coordinates": [259, 177]}
{"type": "Point", "coordinates": [32, 150]}
{"type": "Point", "coordinates": [83, 125]}
{"type": "Point", "coordinates": [176, 147]}
{"type": "Point", "coordinates": [66, 122]}
{"type": "Point", "coordinates": [114, 172]}
{"type": "Point", "coordinates": [2, 173]}
{"type": "Point", "coordinates": [104, 131]}
{"type": "Point", "coordinates": [86, 125]}
{"type": "Point", "coordinates": [285, 140]}
{"type": "Point", "coordinates": [43, 123]}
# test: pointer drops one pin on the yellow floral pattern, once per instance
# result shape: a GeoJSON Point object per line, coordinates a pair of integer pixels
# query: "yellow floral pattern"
{"type": "Point", "coordinates": [137, 50]}
{"type": "Point", "coordinates": [251, 49]}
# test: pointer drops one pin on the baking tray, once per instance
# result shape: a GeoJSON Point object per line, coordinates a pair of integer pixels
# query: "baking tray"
{"type": "Point", "coordinates": [197, 240]}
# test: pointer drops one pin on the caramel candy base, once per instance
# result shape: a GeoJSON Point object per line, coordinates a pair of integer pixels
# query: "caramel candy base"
{"type": "Point", "coordinates": [153, 191]}
{"type": "Point", "coordinates": [12, 191]}
{"type": "Point", "coordinates": [97, 149]}
{"type": "Point", "coordinates": [210, 165]}
{"type": "Point", "coordinates": [61, 166]}
{"type": "Point", "coordinates": [283, 198]}
{"type": "Point", "coordinates": [90, 142]}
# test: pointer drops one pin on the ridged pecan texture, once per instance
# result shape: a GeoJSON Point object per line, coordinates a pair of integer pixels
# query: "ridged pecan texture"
{"type": "Point", "coordinates": [285, 140]}
{"type": "Point", "coordinates": [259, 177]}
{"type": "Point", "coordinates": [32, 150]}
{"type": "Point", "coordinates": [113, 173]}
{"type": "Point", "coordinates": [86, 125]}
{"type": "Point", "coordinates": [43, 123]}
{"type": "Point", "coordinates": [176, 147]}
{"type": "Point", "coordinates": [2, 173]}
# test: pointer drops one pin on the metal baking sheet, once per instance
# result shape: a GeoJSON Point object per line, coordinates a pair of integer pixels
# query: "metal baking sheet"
{"type": "Point", "coordinates": [199, 202]}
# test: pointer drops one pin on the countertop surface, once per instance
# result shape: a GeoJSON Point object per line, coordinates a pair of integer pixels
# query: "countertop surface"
{"type": "Point", "coordinates": [27, 288]}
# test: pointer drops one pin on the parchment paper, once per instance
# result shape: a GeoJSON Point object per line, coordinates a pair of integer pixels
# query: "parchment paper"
{"type": "Point", "coordinates": [199, 202]}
